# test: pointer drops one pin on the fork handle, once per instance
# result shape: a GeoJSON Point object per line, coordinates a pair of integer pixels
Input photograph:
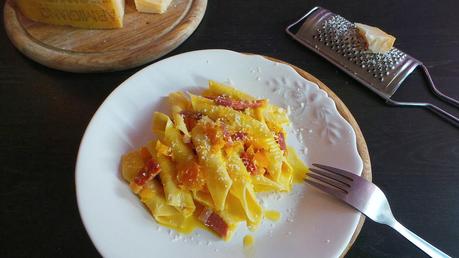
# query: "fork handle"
{"type": "Point", "coordinates": [429, 249]}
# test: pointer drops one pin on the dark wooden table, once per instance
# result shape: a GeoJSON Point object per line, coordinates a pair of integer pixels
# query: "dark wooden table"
{"type": "Point", "coordinates": [415, 155]}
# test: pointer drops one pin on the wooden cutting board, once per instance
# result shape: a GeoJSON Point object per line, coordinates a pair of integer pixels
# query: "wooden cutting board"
{"type": "Point", "coordinates": [144, 38]}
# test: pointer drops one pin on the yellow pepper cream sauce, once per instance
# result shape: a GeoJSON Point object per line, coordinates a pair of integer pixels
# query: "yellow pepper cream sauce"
{"type": "Point", "coordinates": [272, 215]}
{"type": "Point", "coordinates": [248, 241]}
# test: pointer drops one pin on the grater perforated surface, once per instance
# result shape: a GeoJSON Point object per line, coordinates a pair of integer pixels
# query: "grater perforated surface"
{"type": "Point", "coordinates": [338, 40]}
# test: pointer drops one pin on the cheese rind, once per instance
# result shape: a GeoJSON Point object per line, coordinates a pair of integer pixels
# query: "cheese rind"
{"type": "Point", "coordinates": [91, 14]}
{"type": "Point", "coordinates": [152, 6]}
{"type": "Point", "coordinates": [378, 41]}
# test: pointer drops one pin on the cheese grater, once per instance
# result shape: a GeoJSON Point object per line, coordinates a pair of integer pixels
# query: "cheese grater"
{"type": "Point", "coordinates": [337, 40]}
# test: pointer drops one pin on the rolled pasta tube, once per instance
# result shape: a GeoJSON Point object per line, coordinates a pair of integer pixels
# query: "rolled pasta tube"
{"type": "Point", "coordinates": [217, 178]}
{"type": "Point", "coordinates": [175, 196]}
{"type": "Point", "coordinates": [242, 189]}
{"type": "Point", "coordinates": [153, 197]}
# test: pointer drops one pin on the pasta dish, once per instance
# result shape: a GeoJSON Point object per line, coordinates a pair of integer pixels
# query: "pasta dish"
{"type": "Point", "coordinates": [209, 159]}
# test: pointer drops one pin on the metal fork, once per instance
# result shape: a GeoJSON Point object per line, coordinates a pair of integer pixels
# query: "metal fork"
{"type": "Point", "coordinates": [365, 197]}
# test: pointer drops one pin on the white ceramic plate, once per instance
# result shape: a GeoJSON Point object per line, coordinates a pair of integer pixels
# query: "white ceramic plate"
{"type": "Point", "coordinates": [312, 223]}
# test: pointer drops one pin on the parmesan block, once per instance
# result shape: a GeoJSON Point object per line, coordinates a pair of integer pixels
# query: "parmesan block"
{"type": "Point", "coordinates": [378, 41]}
{"type": "Point", "coordinates": [90, 14]}
{"type": "Point", "coordinates": [152, 6]}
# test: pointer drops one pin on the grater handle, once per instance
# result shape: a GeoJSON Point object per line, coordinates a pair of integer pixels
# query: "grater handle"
{"type": "Point", "coordinates": [442, 113]}
{"type": "Point", "coordinates": [439, 94]}
{"type": "Point", "coordinates": [452, 119]}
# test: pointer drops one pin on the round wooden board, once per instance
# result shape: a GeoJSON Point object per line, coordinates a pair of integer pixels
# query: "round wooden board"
{"type": "Point", "coordinates": [144, 38]}
{"type": "Point", "coordinates": [361, 144]}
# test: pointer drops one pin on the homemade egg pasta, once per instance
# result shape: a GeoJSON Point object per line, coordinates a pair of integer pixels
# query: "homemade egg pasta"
{"type": "Point", "coordinates": [212, 155]}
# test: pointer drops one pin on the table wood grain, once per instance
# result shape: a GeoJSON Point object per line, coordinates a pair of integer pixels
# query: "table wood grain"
{"type": "Point", "coordinates": [414, 154]}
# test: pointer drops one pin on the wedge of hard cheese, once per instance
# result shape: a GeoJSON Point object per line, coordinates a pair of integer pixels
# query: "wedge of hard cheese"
{"type": "Point", "coordinates": [152, 6]}
{"type": "Point", "coordinates": [378, 41]}
{"type": "Point", "coordinates": [91, 14]}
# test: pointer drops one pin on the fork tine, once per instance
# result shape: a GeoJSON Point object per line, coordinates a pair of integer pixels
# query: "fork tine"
{"type": "Point", "coordinates": [328, 189]}
{"type": "Point", "coordinates": [324, 178]}
{"type": "Point", "coordinates": [331, 175]}
{"type": "Point", "coordinates": [343, 173]}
